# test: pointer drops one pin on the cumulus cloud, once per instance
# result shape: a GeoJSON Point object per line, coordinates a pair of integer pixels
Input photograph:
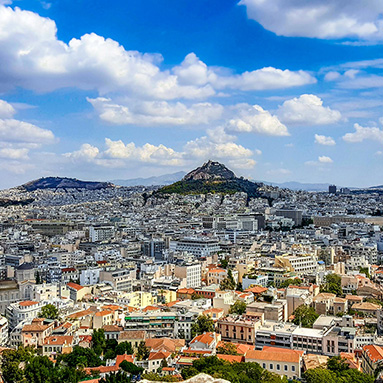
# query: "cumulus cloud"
{"type": "Point", "coordinates": [364, 133]}
{"type": "Point", "coordinates": [325, 160]}
{"type": "Point", "coordinates": [19, 131]}
{"type": "Point", "coordinates": [326, 19]}
{"type": "Point", "coordinates": [149, 113]}
{"type": "Point", "coordinates": [254, 119]}
{"type": "Point", "coordinates": [34, 58]}
{"type": "Point", "coordinates": [323, 140]}
{"type": "Point", "coordinates": [216, 144]}
{"type": "Point", "coordinates": [6, 109]}
{"type": "Point", "coordinates": [14, 153]}
{"type": "Point", "coordinates": [307, 109]}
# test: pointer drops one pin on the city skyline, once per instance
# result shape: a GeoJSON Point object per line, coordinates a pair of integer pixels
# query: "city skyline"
{"type": "Point", "coordinates": [137, 90]}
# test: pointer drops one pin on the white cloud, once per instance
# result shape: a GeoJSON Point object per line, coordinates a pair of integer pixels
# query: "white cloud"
{"type": "Point", "coordinates": [364, 133]}
{"type": "Point", "coordinates": [149, 113]}
{"type": "Point", "coordinates": [19, 131]}
{"type": "Point", "coordinates": [6, 109]}
{"type": "Point", "coordinates": [216, 144]}
{"type": "Point", "coordinates": [326, 19]}
{"type": "Point", "coordinates": [254, 119]}
{"type": "Point", "coordinates": [379, 153]}
{"type": "Point", "coordinates": [323, 140]}
{"type": "Point", "coordinates": [278, 172]}
{"type": "Point", "coordinates": [32, 57]}
{"type": "Point", "coordinates": [307, 109]}
{"type": "Point", "coordinates": [325, 160]}
{"type": "Point", "coordinates": [87, 152]}
{"type": "Point", "coordinates": [265, 78]}
{"type": "Point", "coordinates": [14, 154]}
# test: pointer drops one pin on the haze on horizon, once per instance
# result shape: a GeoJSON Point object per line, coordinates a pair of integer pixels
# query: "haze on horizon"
{"type": "Point", "coordinates": [276, 90]}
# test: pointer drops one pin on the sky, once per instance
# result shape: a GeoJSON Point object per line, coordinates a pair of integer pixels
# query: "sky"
{"type": "Point", "coordinates": [277, 90]}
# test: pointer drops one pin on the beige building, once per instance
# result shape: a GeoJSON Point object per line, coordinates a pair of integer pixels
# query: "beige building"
{"type": "Point", "coordinates": [280, 361]}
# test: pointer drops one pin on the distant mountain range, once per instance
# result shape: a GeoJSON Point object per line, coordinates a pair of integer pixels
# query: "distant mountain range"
{"type": "Point", "coordinates": [211, 177]}
{"type": "Point", "coordinates": [165, 179]}
{"type": "Point", "coordinates": [64, 183]}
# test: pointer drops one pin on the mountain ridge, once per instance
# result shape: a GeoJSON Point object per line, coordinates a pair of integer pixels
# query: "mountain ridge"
{"type": "Point", "coordinates": [64, 183]}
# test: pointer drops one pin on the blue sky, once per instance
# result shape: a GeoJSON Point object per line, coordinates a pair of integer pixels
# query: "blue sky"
{"type": "Point", "coordinates": [278, 90]}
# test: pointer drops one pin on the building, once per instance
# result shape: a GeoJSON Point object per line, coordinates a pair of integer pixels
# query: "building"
{"type": "Point", "coordinates": [101, 233]}
{"type": "Point", "coordinates": [191, 273]}
{"type": "Point", "coordinates": [22, 312]}
{"type": "Point", "coordinates": [277, 360]}
{"type": "Point", "coordinates": [121, 279]}
{"type": "Point", "coordinates": [332, 189]}
{"type": "Point", "coordinates": [200, 247]}
{"type": "Point", "coordinates": [238, 329]}
{"type": "Point", "coordinates": [372, 358]}
{"type": "Point", "coordinates": [295, 215]}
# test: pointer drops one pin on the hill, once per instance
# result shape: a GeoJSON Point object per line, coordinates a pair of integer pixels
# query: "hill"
{"type": "Point", "coordinates": [64, 183]}
{"type": "Point", "coordinates": [212, 177]}
{"type": "Point", "coordinates": [165, 179]}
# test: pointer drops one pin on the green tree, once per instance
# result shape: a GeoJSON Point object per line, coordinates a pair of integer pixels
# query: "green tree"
{"type": "Point", "coordinates": [364, 270]}
{"type": "Point", "coordinates": [49, 311]}
{"type": "Point", "coordinates": [98, 341]}
{"type": "Point", "coordinates": [320, 375]}
{"type": "Point", "coordinates": [37, 278]}
{"type": "Point", "coordinates": [228, 283]}
{"type": "Point", "coordinates": [203, 324]}
{"type": "Point", "coordinates": [224, 263]}
{"type": "Point", "coordinates": [333, 285]}
{"type": "Point", "coordinates": [116, 377]}
{"type": "Point", "coordinates": [80, 357]}
{"type": "Point", "coordinates": [110, 350]}
{"type": "Point", "coordinates": [305, 316]}
{"type": "Point", "coordinates": [290, 281]}
{"type": "Point", "coordinates": [155, 377]}
{"type": "Point", "coordinates": [131, 368]}
{"type": "Point", "coordinates": [143, 351]}
{"type": "Point", "coordinates": [40, 370]}
{"type": "Point", "coordinates": [227, 349]}
{"type": "Point", "coordinates": [124, 348]}
{"type": "Point", "coordinates": [238, 307]}
{"type": "Point", "coordinates": [10, 363]}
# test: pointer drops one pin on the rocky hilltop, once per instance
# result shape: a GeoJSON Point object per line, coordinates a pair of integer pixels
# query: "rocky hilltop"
{"type": "Point", "coordinates": [209, 171]}
{"type": "Point", "coordinates": [64, 183]}
{"type": "Point", "coordinates": [212, 177]}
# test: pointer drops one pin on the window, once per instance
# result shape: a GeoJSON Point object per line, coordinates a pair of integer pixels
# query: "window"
{"type": "Point", "coordinates": [286, 368]}
{"type": "Point", "coordinates": [278, 367]}
{"type": "Point", "coordinates": [293, 368]}
{"type": "Point", "coordinates": [264, 365]}
{"type": "Point", "coordinates": [271, 366]}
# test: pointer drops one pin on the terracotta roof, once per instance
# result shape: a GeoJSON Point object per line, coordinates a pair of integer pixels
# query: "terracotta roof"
{"type": "Point", "coordinates": [256, 289]}
{"type": "Point", "coordinates": [121, 358]}
{"type": "Point", "coordinates": [34, 328]}
{"type": "Point", "coordinates": [274, 354]}
{"type": "Point", "coordinates": [159, 355]}
{"type": "Point", "coordinates": [206, 338]}
{"type": "Point", "coordinates": [59, 340]}
{"type": "Point", "coordinates": [217, 271]}
{"type": "Point", "coordinates": [112, 328]}
{"type": "Point", "coordinates": [166, 344]}
{"type": "Point", "coordinates": [103, 313]}
{"type": "Point", "coordinates": [375, 353]}
{"type": "Point", "coordinates": [80, 314]}
{"type": "Point", "coordinates": [186, 291]}
{"type": "Point", "coordinates": [231, 358]}
{"type": "Point", "coordinates": [68, 269]}
{"type": "Point", "coordinates": [365, 306]}
{"type": "Point", "coordinates": [75, 286]}
{"type": "Point", "coordinates": [28, 303]}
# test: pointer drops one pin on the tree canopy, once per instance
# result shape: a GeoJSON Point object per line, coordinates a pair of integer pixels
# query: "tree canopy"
{"type": "Point", "coordinates": [229, 282]}
{"type": "Point", "coordinates": [203, 324]}
{"type": "Point", "coordinates": [305, 316]}
{"type": "Point", "coordinates": [238, 307]}
{"type": "Point", "coordinates": [49, 312]}
{"type": "Point", "coordinates": [333, 285]}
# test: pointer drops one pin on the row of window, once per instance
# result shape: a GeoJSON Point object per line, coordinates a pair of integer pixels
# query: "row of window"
{"type": "Point", "coordinates": [278, 367]}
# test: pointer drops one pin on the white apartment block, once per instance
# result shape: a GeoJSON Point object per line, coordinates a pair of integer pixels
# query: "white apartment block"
{"type": "Point", "coordinates": [190, 272]}
{"type": "Point", "coordinates": [200, 247]}
{"type": "Point", "coordinates": [101, 233]}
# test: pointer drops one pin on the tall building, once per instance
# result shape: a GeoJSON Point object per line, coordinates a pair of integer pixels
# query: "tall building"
{"type": "Point", "coordinates": [332, 189]}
